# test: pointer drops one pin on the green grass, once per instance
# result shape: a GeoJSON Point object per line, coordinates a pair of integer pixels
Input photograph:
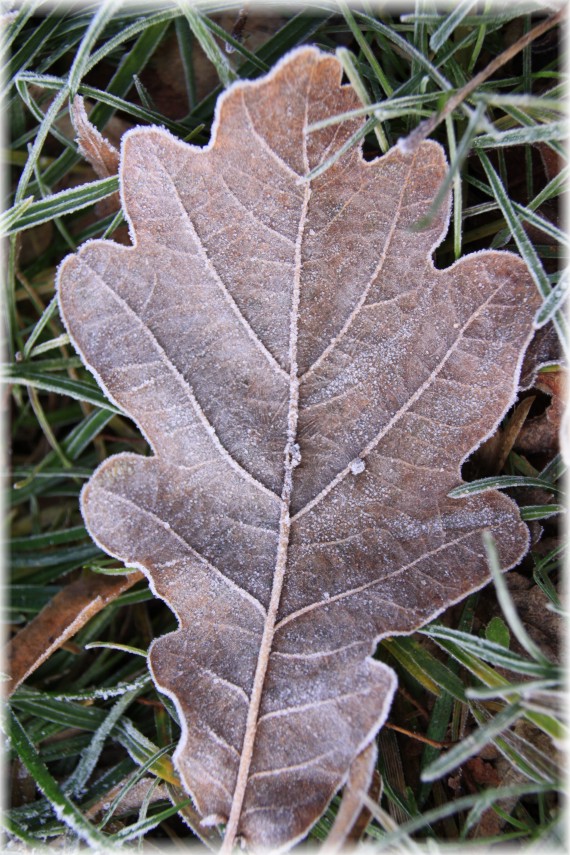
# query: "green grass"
{"type": "Point", "coordinates": [88, 725]}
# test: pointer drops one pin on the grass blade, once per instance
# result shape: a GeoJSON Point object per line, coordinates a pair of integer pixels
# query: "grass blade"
{"type": "Point", "coordinates": [523, 243]}
{"type": "Point", "coordinates": [12, 215]}
{"type": "Point", "coordinates": [237, 46]}
{"type": "Point", "coordinates": [525, 689]}
{"type": "Point", "coordinates": [554, 187]}
{"type": "Point", "coordinates": [500, 482]}
{"type": "Point", "coordinates": [348, 63]}
{"type": "Point", "coordinates": [453, 173]}
{"type": "Point", "coordinates": [141, 827]}
{"type": "Point", "coordinates": [64, 808]}
{"type": "Point", "coordinates": [69, 714]}
{"type": "Point", "coordinates": [65, 202]}
{"type": "Point", "coordinates": [472, 744]}
{"type": "Point", "coordinates": [94, 30]}
{"type": "Point", "coordinates": [151, 117]}
{"type": "Point", "coordinates": [485, 799]}
{"type": "Point", "coordinates": [445, 30]}
{"type": "Point", "coordinates": [147, 26]}
{"type": "Point", "coordinates": [73, 445]}
{"type": "Point", "coordinates": [208, 44]}
{"type": "Point", "coordinates": [523, 136]}
{"type": "Point", "coordinates": [425, 668]}
{"type": "Point", "coordinates": [47, 315]}
{"type": "Point", "coordinates": [553, 302]}
{"type": "Point", "coordinates": [52, 344]}
{"type": "Point", "coordinates": [330, 161]}
{"type": "Point", "coordinates": [472, 650]}
{"type": "Point", "coordinates": [526, 758]}
{"type": "Point", "coordinates": [78, 389]}
{"type": "Point", "coordinates": [541, 512]}
{"type": "Point", "coordinates": [140, 773]}
{"type": "Point", "coordinates": [90, 757]}
{"type": "Point", "coordinates": [114, 645]}
{"type": "Point", "coordinates": [42, 541]}
{"type": "Point", "coordinates": [41, 135]}
{"type": "Point", "coordinates": [409, 50]}
{"type": "Point", "coordinates": [366, 50]}
{"type": "Point", "coordinates": [507, 605]}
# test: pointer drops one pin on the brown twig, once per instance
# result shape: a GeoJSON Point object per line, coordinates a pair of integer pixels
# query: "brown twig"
{"type": "Point", "coordinates": [425, 128]}
{"type": "Point", "coordinates": [418, 736]}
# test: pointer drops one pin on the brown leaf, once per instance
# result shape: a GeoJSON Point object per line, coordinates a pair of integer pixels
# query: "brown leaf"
{"type": "Point", "coordinates": [542, 433]}
{"type": "Point", "coordinates": [59, 620]}
{"type": "Point", "coordinates": [363, 820]}
{"type": "Point", "coordinates": [552, 160]}
{"type": "Point", "coordinates": [97, 151]}
{"type": "Point", "coordinates": [132, 800]}
{"type": "Point", "coordinates": [482, 773]}
{"type": "Point", "coordinates": [492, 455]}
{"type": "Point", "coordinates": [310, 385]}
{"type": "Point", "coordinates": [539, 747]}
{"type": "Point", "coordinates": [543, 350]}
{"type": "Point", "coordinates": [545, 627]}
{"type": "Point", "coordinates": [103, 157]}
{"type": "Point", "coordinates": [358, 783]}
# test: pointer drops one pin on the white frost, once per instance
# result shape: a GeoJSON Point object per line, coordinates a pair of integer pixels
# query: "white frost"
{"type": "Point", "coordinates": [357, 466]}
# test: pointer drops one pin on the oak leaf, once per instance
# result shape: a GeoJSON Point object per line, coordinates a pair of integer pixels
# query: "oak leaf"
{"type": "Point", "coordinates": [310, 384]}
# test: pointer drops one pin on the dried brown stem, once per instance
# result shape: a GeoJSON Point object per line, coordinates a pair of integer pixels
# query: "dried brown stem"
{"type": "Point", "coordinates": [425, 128]}
{"type": "Point", "coordinates": [418, 737]}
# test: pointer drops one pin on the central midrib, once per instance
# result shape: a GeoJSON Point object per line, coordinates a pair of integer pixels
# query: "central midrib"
{"type": "Point", "coordinates": [290, 461]}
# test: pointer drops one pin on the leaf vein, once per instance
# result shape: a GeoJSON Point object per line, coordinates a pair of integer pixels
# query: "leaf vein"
{"type": "Point", "coordinates": [269, 773]}
{"type": "Point", "coordinates": [231, 686]}
{"type": "Point", "coordinates": [354, 591]}
{"type": "Point", "coordinates": [252, 216]}
{"type": "Point", "coordinates": [377, 270]}
{"type": "Point", "coordinates": [320, 654]}
{"type": "Point", "coordinates": [163, 356]}
{"type": "Point", "coordinates": [218, 739]}
{"type": "Point", "coordinates": [265, 145]}
{"type": "Point", "coordinates": [210, 267]}
{"type": "Point", "coordinates": [194, 552]}
{"type": "Point", "coordinates": [302, 708]}
{"type": "Point", "coordinates": [400, 413]}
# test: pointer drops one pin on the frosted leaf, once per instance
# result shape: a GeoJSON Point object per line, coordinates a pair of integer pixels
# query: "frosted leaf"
{"type": "Point", "coordinates": [261, 321]}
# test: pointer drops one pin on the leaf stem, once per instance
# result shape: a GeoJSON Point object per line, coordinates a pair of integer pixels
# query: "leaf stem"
{"type": "Point", "coordinates": [291, 461]}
